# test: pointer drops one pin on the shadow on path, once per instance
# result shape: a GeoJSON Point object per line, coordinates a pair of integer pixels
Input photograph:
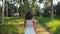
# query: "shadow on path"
{"type": "Point", "coordinates": [44, 28]}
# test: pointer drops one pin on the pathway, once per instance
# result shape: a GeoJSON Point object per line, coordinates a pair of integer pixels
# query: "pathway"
{"type": "Point", "coordinates": [40, 29]}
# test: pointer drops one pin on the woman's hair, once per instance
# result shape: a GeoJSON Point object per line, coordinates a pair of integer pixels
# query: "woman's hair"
{"type": "Point", "coordinates": [28, 15]}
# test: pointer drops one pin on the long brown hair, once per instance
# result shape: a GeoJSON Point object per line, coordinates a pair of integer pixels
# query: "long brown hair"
{"type": "Point", "coordinates": [28, 15]}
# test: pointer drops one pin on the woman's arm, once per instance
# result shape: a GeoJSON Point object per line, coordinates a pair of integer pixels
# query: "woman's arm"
{"type": "Point", "coordinates": [24, 23]}
{"type": "Point", "coordinates": [34, 22]}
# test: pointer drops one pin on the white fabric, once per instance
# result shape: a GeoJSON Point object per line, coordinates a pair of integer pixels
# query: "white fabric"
{"type": "Point", "coordinates": [29, 27]}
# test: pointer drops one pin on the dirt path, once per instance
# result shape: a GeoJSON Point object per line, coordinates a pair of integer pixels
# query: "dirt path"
{"type": "Point", "coordinates": [42, 30]}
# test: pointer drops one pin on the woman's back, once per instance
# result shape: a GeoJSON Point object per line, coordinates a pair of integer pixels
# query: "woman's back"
{"type": "Point", "coordinates": [29, 23]}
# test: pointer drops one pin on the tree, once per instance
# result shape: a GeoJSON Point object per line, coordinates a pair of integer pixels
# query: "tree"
{"type": "Point", "coordinates": [52, 16]}
{"type": "Point", "coordinates": [52, 12]}
{"type": "Point", "coordinates": [10, 9]}
{"type": "Point", "coordinates": [2, 11]}
{"type": "Point", "coordinates": [40, 1]}
{"type": "Point", "coordinates": [57, 8]}
{"type": "Point", "coordinates": [6, 8]}
{"type": "Point", "coordinates": [27, 5]}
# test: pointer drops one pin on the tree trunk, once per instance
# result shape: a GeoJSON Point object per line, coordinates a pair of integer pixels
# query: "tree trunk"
{"type": "Point", "coordinates": [2, 11]}
{"type": "Point", "coordinates": [13, 12]}
{"type": "Point", "coordinates": [52, 16]}
{"type": "Point", "coordinates": [6, 9]}
{"type": "Point", "coordinates": [17, 8]}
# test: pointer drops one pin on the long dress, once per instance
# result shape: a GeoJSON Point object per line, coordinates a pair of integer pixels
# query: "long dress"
{"type": "Point", "coordinates": [29, 27]}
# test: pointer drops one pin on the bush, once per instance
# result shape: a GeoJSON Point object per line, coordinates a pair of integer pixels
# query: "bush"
{"type": "Point", "coordinates": [9, 29]}
{"type": "Point", "coordinates": [52, 26]}
{"type": "Point", "coordinates": [57, 31]}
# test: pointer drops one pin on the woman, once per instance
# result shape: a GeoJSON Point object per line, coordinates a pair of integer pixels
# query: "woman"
{"type": "Point", "coordinates": [29, 24]}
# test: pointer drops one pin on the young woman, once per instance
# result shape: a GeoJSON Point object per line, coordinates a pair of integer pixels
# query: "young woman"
{"type": "Point", "coordinates": [29, 24]}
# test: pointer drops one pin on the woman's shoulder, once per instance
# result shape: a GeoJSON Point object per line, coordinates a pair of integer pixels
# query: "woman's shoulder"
{"type": "Point", "coordinates": [34, 20]}
{"type": "Point", "coordinates": [30, 20]}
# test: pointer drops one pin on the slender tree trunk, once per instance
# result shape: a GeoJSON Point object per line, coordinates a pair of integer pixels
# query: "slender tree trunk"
{"type": "Point", "coordinates": [40, 13]}
{"type": "Point", "coordinates": [2, 11]}
{"type": "Point", "coordinates": [52, 16]}
{"type": "Point", "coordinates": [17, 8]}
{"type": "Point", "coordinates": [6, 9]}
{"type": "Point", "coordinates": [13, 12]}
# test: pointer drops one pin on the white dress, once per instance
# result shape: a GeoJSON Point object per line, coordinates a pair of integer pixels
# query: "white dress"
{"type": "Point", "coordinates": [29, 27]}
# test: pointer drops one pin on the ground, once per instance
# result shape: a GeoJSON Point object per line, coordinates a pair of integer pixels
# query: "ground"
{"type": "Point", "coordinates": [16, 26]}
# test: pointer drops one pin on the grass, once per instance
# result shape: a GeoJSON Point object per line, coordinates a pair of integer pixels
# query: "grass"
{"type": "Point", "coordinates": [54, 26]}
{"type": "Point", "coordinates": [12, 25]}
{"type": "Point", "coordinates": [9, 28]}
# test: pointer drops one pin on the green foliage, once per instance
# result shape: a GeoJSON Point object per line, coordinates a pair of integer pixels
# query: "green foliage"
{"type": "Point", "coordinates": [57, 8]}
{"type": "Point", "coordinates": [37, 13]}
{"type": "Point", "coordinates": [10, 9]}
{"type": "Point", "coordinates": [0, 11]}
{"type": "Point", "coordinates": [57, 31]}
{"type": "Point", "coordinates": [11, 19]}
{"type": "Point", "coordinates": [33, 0]}
{"type": "Point", "coordinates": [22, 9]}
{"type": "Point", "coordinates": [46, 11]}
{"type": "Point", "coordinates": [11, 25]}
{"type": "Point", "coordinates": [40, 1]}
{"type": "Point", "coordinates": [9, 28]}
{"type": "Point", "coordinates": [44, 20]}
{"type": "Point", "coordinates": [26, 7]}
{"type": "Point", "coordinates": [52, 26]}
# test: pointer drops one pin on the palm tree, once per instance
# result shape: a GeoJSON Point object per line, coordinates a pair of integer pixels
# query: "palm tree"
{"type": "Point", "coordinates": [2, 11]}
{"type": "Point", "coordinates": [52, 16]}
{"type": "Point", "coordinates": [6, 9]}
